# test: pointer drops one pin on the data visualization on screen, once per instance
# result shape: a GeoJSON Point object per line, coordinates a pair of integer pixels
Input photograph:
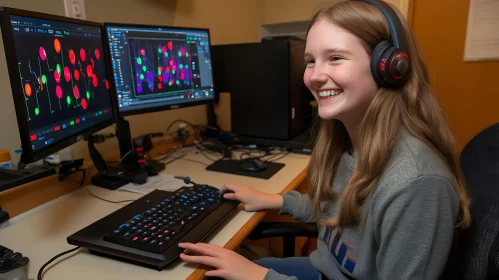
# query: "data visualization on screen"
{"type": "Point", "coordinates": [157, 68]}
{"type": "Point", "coordinates": [63, 77]}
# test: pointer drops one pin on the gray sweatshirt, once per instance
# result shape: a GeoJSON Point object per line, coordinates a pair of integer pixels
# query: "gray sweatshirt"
{"type": "Point", "coordinates": [409, 229]}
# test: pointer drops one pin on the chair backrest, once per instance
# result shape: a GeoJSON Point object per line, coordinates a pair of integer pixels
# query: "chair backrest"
{"type": "Point", "coordinates": [478, 247]}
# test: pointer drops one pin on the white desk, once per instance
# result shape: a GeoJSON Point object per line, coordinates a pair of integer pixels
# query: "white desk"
{"type": "Point", "coordinates": [41, 232]}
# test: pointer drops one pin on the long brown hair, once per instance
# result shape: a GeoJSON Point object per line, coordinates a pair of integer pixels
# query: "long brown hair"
{"type": "Point", "coordinates": [412, 107]}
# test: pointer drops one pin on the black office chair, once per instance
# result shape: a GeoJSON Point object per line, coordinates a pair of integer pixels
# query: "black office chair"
{"type": "Point", "coordinates": [478, 246]}
{"type": "Point", "coordinates": [288, 231]}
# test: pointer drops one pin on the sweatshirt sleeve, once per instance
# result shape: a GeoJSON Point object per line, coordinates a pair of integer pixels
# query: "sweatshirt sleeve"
{"type": "Point", "coordinates": [274, 275]}
{"type": "Point", "coordinates": [298, 205]}
{"type": "Point", "coordinates": [414, 229]}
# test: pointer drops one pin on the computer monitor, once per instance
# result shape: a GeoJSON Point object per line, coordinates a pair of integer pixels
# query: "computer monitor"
{"type": "Point", "coordinates": [159, 68]}
{"type": "Point", "coordinates": [59, 79]}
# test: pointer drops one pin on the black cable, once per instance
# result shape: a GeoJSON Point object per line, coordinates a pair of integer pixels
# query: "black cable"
{"type": "Point", "coordinates": [167, 155]}
{"type": "Point", "coordinates": [108, 200]}
{"type": "Point", "coordinates": [249, 154]}
{"type": "Point", "coordinates": [174, 159]}
{"type": "Point", "coordinates": [83, 176]}
{"type": "Point", "coordinates": [124, 156]}
{"type": "Point", "coordinates": [40, 272]}
{"type": "Point", "coordinates": [186, 122]}
{"type": "Point", "coordinates": [212, 128]}
{"type": "Point", "coordinates": [269, 157]}
{"type": "Point", "coordinates": [193, 160]}
{"type": "Point", "coordinates": [274, 159]}
{"type": "Point", "coordinates": [182, 158]}
{"type": "Point", "coordinates": [206, 156]}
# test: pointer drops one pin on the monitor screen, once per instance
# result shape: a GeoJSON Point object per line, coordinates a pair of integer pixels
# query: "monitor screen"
{"type": "Point", "coordinates": [63, 78]}
{"type": "Point", "coordinates": [158, 68]}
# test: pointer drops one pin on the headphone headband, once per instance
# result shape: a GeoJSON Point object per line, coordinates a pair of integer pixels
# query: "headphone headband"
{"type": "Point", "coordinates": [394, 23]}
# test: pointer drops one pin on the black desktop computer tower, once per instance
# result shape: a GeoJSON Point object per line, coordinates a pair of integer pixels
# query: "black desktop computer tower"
{"type": "Point", "coordinates": [268, 97]}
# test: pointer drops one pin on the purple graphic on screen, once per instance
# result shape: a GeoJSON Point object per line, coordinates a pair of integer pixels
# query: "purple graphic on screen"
{"type": "Point", "coordinates": [160, 66]}
{"type": "Point", "coordinates": [150, 78]}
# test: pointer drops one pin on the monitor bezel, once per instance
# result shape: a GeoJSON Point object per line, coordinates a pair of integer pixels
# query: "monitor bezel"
{"type": "Point", "coordinates": [132, 112]}
{"type": "Point", "coordinates": [28, 155]}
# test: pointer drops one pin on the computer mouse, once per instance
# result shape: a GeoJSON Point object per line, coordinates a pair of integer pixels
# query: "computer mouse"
{"type": "Point", "coordinates": [252, 164]}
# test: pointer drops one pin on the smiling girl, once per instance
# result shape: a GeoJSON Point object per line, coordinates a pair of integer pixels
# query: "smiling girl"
{"type": "Point", "coordinates": [385, 190]}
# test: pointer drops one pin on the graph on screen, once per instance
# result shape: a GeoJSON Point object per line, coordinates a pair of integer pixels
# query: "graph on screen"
{"type": "Point", "coordinates": [60, 76]}
{"type": "Point", "coordinates": [160, 65]}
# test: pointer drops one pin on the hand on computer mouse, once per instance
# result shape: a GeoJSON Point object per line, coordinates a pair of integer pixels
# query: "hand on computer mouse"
{"type": "Point", "coordinates": [253, 199]}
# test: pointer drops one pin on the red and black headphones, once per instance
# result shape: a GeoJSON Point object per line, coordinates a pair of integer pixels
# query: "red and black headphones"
{"type": "Point", "coordinates": [390, 61]}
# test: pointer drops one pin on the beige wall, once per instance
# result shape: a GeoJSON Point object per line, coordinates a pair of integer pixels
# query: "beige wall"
{"type": "Point", "coordinates": [467, 90]}
{"type": "Point", "coordinates": [230, 21]}
{"type": "Point", "coordinates": [275, 11]}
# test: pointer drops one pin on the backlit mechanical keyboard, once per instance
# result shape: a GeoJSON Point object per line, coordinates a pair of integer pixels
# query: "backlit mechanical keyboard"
{"type": "Point", "coordinates": [156, 228]}
{"type": "Point", "coordinates": [148, 230]}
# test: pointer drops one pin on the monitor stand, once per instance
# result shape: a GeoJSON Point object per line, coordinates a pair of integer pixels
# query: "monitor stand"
{"type": "Point", "coordinates": [128, 169]}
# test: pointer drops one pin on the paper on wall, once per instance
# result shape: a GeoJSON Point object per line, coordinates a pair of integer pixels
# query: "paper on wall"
{"type": "Point", "coordinates": [482, 35]}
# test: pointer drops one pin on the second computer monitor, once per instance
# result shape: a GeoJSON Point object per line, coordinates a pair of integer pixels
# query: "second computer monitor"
{"type": "Point", "coordinates": [158, 68]}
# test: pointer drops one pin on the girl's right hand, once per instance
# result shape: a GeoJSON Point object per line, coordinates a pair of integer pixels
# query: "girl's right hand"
{"type": "Point", "coordinates": [253, 199]}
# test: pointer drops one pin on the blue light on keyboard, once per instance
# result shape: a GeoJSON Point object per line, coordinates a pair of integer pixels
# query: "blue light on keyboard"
{"type": "Point", "coordinates": [169, 217]}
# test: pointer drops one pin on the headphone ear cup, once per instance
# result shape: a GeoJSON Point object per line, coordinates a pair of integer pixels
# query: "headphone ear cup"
{"type": "Point", "coordinates": [377, 67]}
